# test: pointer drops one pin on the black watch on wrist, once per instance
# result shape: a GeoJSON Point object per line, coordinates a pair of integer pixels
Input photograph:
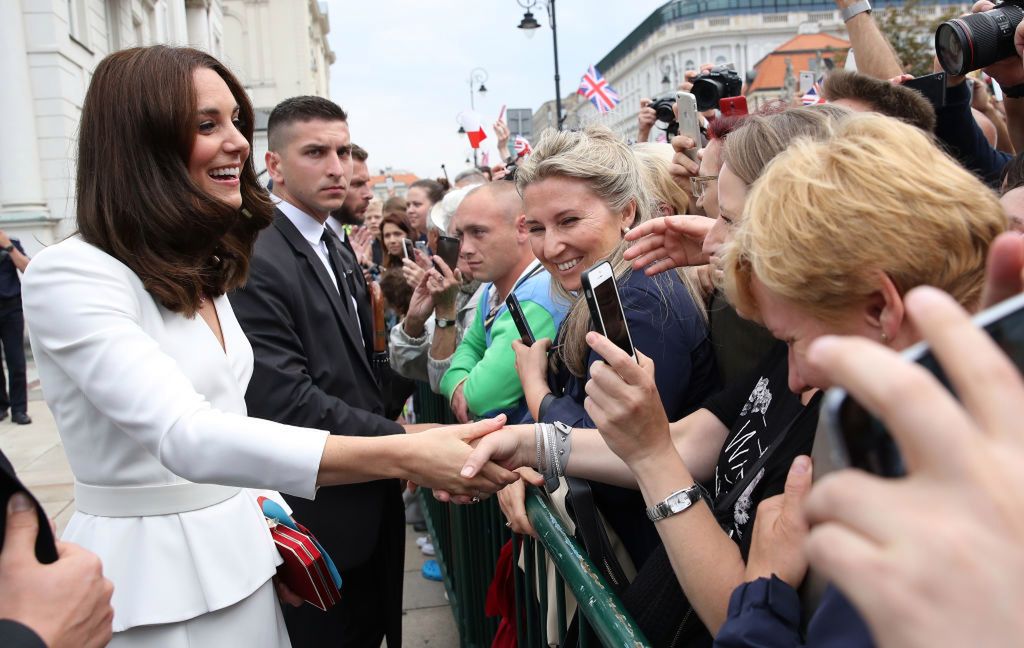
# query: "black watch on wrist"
{"type": "Point", "coordinates": [1014, 92]}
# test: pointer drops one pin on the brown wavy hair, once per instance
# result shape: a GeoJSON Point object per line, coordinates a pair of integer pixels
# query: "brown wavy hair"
{"type": "Point", "coordinates": [136, 200]}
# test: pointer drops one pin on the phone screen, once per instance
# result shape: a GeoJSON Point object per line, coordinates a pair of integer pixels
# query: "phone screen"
{"type": "Point", "coordinates": [860, 440]}
{"type": "Point", "coordinates": [409, 250]}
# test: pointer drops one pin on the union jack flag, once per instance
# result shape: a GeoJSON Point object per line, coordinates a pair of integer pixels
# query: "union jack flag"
{"type": "Point", "coordinates": [813, 94]}
{"type": "Point", "coordinates": [596, 88]}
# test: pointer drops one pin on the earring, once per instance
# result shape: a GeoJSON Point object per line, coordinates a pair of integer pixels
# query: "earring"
{"type": "Point", "coordinates": [625, 230]}
{"type": "Point", "coordinates": [885, 338]}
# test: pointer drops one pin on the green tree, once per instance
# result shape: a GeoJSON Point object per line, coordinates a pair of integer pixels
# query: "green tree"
{"type": "Point", "coordinates": [910, 29]}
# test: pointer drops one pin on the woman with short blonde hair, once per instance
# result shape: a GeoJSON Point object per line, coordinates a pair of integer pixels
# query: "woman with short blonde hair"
{"type": "Point", "coordinates": [828, 217]}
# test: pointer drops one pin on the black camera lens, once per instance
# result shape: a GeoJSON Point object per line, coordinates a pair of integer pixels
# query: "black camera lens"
{"type": "Point", "coordinates": [707, 92]}
{"type": "Point", "coordinates": [978, 40]}
{"type": "Point", "coordinates": [665, 113]}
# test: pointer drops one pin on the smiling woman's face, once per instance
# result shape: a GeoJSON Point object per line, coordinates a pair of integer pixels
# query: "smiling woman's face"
{"type": "Point", "coordinates": [571, 228]}
{"type": "Point", "coordinates": [220, 149]}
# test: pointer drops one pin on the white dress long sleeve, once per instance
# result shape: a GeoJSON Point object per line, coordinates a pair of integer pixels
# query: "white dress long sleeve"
{"type": "Point", "coordinates": [146, 397]}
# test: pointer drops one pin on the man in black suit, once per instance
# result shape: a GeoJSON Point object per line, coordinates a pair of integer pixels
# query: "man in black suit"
{"type": "Point", "coordinates": [50, 594]}
{"type": "Point", "coordinates": [310, 338]}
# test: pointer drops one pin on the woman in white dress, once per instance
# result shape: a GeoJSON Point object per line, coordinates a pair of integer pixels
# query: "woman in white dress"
{"type": "Point", "coordinates": [145, 367]}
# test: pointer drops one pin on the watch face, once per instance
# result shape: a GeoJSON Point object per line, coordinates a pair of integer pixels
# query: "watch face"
{"type": "Point", "coordinates": [680, 503]}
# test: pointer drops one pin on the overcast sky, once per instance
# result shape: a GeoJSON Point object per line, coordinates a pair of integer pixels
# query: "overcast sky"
{"type": "Point", "coordinates": [403, 67]}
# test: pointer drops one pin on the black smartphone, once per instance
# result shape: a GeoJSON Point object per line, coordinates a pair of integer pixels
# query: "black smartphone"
{"type": "Point", "coordinates": [932, 86]}
{"type": "Point", "coordinates": [448, 249]}
{"type": "Point", "coordinates": [409, 249]}
{"type": "Point", "coordinates": [512, 302]}
{"type": "Point", "coordinates": [605, 306]}
{"type": "Point", "coordinates": [857, 439]}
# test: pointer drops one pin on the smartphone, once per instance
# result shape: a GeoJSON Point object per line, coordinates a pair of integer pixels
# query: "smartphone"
{"type": "Point", "coordinates": [932, 86]}
{"type": "Point", "coordinates": [409, 249]}
{"type": "Point", "coordinates": [733, 106]}
{"type": "Point", "coordinates": [422, 247]}
{"type": "Point", "coordinates": [856, 438]}
{"type": "Point", "coordinates": [605, 306]}
{"type": "Point", "coordinates": [689, 121]}
{"type": "Point", "coordinates": [448, 249]}
{"type": "Point", "coordinates": [525, 334]}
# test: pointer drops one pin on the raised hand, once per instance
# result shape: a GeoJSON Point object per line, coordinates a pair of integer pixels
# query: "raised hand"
{"type": "Point", "coordinates": [668, 242]}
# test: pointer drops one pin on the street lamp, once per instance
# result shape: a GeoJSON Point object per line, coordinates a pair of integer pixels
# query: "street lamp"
{"type": "Point", "coordinates": [529, 24]}
{"type": "Point", "coordinates": [668, 65]}
{"type": "Point", "coordinates": [476, 75]}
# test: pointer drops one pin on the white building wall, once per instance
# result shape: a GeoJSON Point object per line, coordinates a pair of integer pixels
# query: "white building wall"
{"type": "Point", "coordinates": [51, 47]}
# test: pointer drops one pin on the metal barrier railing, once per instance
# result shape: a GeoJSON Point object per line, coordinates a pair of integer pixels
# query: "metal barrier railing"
{"type": "Point", "coordinates": [468, 540]}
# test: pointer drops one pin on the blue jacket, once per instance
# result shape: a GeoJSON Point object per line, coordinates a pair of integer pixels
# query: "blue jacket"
{"type": "Point", "coordinates": [766, 614]}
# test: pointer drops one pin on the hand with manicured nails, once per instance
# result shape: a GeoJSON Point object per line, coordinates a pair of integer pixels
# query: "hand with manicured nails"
{"type": "Point", "coordinates": [932, 559]}
{"type": "Point", "coordinates": [436, 458]}
{"type": "Point", "coordinates": [668, 242]}
{"type": "Point", "coordinates": [623, 401]}
{"type": "Point", "coordinates": [780, 528]}
{"type": "Point", "coordinates": [67, 603]}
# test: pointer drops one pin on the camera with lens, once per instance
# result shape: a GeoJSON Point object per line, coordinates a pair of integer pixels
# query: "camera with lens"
{"type": "Point", "coordinates": [978, 40]}
{"type": "Point", "coordinates": [664, 109]}
{"type": "Point", "coordinates": [718, 83]}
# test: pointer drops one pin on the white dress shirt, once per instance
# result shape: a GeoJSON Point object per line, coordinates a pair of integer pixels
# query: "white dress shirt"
{"type": "Point", "coordinates": [311, 229]}
{"type": "Point", "coordinates": [145, 399]}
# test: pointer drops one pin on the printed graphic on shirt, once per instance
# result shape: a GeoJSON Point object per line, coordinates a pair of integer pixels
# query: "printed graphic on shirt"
{"type": "Point", "coordinates": [742, 449]}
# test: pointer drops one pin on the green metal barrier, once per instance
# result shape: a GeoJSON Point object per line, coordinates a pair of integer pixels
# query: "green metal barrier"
{"type": "Point", "coordinates": [468, 540]}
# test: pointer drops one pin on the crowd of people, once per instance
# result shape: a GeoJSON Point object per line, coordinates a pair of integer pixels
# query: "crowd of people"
{"type": "Point", "coordinates": [207, 338]}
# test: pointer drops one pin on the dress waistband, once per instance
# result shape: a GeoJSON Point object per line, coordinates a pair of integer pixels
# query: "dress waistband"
{"type": "Point", "coordinates": [139, 501]}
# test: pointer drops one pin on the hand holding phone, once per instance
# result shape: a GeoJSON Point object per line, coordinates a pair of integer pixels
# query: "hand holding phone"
{"type": "Point", "coordinates": [858, 439]}
{"type": "Point", "coordinates": [602, 294]}
{"type": "Point", "coordinates": [410, 249]}
{"type": "Point", "coordinates": [448, 249]}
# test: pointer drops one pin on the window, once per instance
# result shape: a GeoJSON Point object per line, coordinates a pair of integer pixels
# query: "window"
{"type": "Point", "coordinates": [78, 28]}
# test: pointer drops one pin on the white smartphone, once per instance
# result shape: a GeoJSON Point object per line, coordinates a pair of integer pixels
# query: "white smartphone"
{"type": "Point", "coordinates": [689, 121]}
{"type": "Point", "coordinates": [605, 306]}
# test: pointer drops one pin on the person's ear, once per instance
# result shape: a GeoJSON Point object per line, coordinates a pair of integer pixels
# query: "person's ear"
{"type": "Point", "coordinates": [628, 217]}
{"type": "Point", "coordinates": [273, 161]}
{"type": "Point", "coordinates": [885, 311]}
{"type": "Point", "coordinates": [522, 234]}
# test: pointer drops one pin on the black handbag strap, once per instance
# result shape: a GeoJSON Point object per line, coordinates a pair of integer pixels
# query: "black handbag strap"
{"type": "Point", "coordinates": [591, 532]}
{"type": "Point", "coordinates": [723, 504]}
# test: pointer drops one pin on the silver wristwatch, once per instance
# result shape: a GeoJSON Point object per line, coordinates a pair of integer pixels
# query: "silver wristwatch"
{"type": "Point", "coordinates": [677, 502]}
{"type": "Point", "coordinates": [856, 8]}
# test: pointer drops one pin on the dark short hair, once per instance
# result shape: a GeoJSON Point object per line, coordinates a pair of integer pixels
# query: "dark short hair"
{"type": "Point", "coordinates": [135, 198]}
{"type": "Point", "coordinates": [433, 189]}
{"type": "Point", "coordinates": [396, 290]}
{"type": "Point", "coordinates": [359, 154]}
{"type": "Point", "coordinates": [1013, 174]}
{"type": "Point", "coordinates": [300, 109]}
{"type": "Point", "coordinates": [884, 97]}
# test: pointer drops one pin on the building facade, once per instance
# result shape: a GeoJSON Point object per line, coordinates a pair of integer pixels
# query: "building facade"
{"type": "Point", "coordinates": [684, 34]}
{"type": "Point", "coordinates": [50, 49]}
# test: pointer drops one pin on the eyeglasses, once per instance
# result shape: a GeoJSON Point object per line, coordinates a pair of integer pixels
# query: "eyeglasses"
{"type": "Point", "coordinates": [698, 184]}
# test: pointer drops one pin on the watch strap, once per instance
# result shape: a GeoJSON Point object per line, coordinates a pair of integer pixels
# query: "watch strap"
{"type": "Point", "coordinates": [850, 11]}
{"type": "Point", "coordinates": [1014, 91]}
{"type": "Point", "coordinates": [677, 502]}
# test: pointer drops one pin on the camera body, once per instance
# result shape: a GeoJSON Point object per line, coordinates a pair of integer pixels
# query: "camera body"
{"type": "Point", "coordinates": [664, 109]}
{"type": "Point", "coordinates": [978, 40]}
{"type": "Point", "coordinates": [713, 85]}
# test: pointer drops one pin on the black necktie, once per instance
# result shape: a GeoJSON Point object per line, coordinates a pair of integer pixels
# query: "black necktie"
{"type": "Point", "coordinates": [339, 266]}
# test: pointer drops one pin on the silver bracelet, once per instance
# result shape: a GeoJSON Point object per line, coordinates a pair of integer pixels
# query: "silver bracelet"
{"type": "Point", "coordinates": [563, 445]}
{"type": "Point", "coordinates": [537, 433]}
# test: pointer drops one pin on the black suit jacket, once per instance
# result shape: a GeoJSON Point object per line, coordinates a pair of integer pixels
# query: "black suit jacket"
{"type": "Point", "coordinates": [313, 370]}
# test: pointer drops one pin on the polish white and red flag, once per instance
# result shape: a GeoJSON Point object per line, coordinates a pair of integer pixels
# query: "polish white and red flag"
{"type": "Point", "coordinates": [595, 87]}
{"type": "Point", "coordinates": [523, 147]}
{"type": "Point", "coordinates": [474, 127]}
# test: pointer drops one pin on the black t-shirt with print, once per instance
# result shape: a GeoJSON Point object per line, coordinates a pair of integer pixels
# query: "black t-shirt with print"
{"type": "Point", "coordinates": [757, 410]}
